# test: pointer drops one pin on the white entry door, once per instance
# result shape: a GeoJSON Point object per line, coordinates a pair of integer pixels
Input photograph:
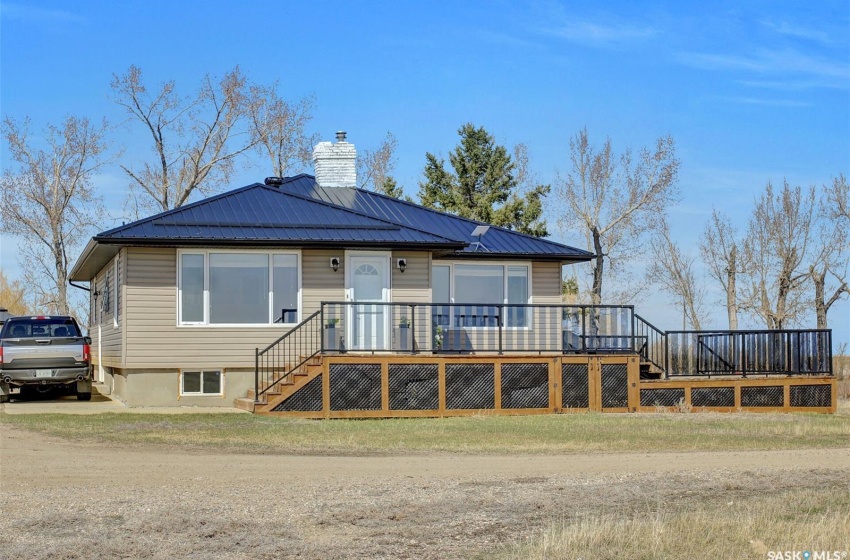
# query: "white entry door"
{"type": "Point", "coordinates": [368, 284]}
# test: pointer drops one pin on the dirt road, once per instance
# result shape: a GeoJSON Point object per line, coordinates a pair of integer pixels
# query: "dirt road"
{"type": "Point", "coordinates": [69, 500]}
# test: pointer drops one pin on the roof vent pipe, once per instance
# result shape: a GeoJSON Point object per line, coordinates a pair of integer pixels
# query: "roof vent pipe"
{"type": "Point", "coordinates": [273, 181]}
{"type": "Point", "coordinates": [340, 136]}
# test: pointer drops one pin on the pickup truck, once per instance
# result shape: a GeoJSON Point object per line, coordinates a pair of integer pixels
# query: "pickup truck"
{"type": "Point", "coordinates": [42, 353]}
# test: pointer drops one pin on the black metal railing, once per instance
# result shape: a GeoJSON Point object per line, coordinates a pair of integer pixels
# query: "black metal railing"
{"type": "Point", "coordinates": [469, 328]}
{"type": "Point", "coordinates": [756, 352]}
{"type": "Point", "coordinates": [413, 327]}
{"type": "Point", "coordinates": [279, 361]}
{"type": "Point", "coordinates": [650, 343]}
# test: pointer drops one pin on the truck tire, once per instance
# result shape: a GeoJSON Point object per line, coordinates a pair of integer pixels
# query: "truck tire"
{"type": "Point", "coordinates": [83, 396]}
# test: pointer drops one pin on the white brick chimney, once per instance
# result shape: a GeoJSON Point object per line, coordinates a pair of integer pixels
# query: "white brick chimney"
{"type": "Point", "coordinates": [335, 164]}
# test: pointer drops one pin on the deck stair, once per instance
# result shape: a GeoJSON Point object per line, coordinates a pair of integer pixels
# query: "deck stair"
{"type": "Point", "coordinates": [649, 370]}
{"type": "Point", "coordinates": [281, 385]}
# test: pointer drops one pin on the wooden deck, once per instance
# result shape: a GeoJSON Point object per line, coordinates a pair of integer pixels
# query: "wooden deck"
{"type": "Point", "coordinates": [439, 385]}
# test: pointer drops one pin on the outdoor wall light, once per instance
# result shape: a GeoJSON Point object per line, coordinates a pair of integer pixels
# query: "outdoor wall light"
{"type": "Point", "coordinates": [401, 264]}
{"type": "Point", "coordinates": [335, 263]}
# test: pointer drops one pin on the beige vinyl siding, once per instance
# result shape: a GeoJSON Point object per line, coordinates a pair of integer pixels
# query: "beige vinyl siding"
{"type": "Point", "coordinates": [153, 338]}
{"type": "Point", "coordinates": [94, 318]}
{"type": "Point", "coordinates": [103, 321]}
{"type": "Point", "coordinates": [546, 282]}
{"type": "Point", "coordinates": [318, 280]}
{"type": "Point", "coordinates": [545, 290]}
{"type": "Point", "coordinates": [414, 284]}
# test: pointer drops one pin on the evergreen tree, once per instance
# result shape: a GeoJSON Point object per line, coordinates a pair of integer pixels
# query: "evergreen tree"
{"type": "Point", "coordinates": [390, 188]}
{"type": "Point", "coordinates": [483, 186]}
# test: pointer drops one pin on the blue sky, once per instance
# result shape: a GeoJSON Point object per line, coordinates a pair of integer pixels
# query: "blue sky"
{"type": "Point", "coordinates": [751, 92]}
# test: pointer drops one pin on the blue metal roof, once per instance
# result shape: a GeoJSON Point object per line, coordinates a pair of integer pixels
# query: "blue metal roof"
{"type": "Point", "coordinates": [267, 214]}
{"type": "Point", "coordinates": [299, 213]}
{"type": "Point", "coordinates": [497, 241]}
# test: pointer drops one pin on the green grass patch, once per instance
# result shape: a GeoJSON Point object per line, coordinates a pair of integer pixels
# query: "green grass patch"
{"type": "Point", "coordinates": [574, 433]}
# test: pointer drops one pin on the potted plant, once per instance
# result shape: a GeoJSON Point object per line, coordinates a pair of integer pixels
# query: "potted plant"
{"type": "Point", "coordinates": [403, 335]}
{"type": "Point", "coordinates": [331, 342]}
{"type": "Point", "coordinates": [438, 338]}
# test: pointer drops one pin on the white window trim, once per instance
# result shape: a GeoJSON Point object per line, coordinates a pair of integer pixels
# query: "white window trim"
{"type": "Point", "coordinates": [206, 323]}
{"type": "Point", "coordinates": [504, 265]}
{"type": "Point", "coordinates": [220, 371]}
{"type": "Point", "coordinates": [116, 313]}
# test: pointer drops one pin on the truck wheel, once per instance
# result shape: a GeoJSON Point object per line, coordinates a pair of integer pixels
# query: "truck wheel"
{"type": "Point", "coordinates": [83, 396]}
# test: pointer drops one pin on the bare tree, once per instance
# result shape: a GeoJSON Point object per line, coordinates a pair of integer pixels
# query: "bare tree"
{"type": "Point", "coordinates": [777, 245]}
{"type": "Point", "coordinates": [49, 200]}
{"type": "Point", "coordinates": [674, 271]}
{"type": "Point", "coordinates": [374, 168]}
{"type": "Point", "coordinates": [838, 197]}
{"type": "Point", "coordinates": [193, 139]}
{"type": "Point", "coordinates": [828, 269]}
{"type": "Point", "coordinates": [721, 251]}
{"type": "Point", "coordinates": [279, 129]}
{"type": "Point", "coordinates": [616, 202]}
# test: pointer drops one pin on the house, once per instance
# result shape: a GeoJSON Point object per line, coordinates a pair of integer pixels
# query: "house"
{"type": "Point", "coordinates": [180, 300]}
{"type": "Point", "coordinates": [307, 296]}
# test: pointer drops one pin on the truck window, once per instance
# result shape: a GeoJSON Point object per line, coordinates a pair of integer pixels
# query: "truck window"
{"type": "Point", "coordinates": [40, 328]}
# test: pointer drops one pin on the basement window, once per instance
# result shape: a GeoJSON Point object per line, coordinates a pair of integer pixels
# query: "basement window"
{"type": "Point", "coordinates": [206, 382]}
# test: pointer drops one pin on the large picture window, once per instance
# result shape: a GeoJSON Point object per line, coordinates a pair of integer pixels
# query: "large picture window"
{"type": "Point", "coordinates": [238, 288]}
{"type": "Point", "coordinates": [477, 290]}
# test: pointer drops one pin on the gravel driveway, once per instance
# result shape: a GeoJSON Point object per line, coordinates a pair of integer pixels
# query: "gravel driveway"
{"type": "Point", "coordinates": [69, 500]}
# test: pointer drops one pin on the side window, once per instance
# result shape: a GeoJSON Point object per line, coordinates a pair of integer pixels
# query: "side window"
{"type": "Point", "coordinates": [118, 280]}
{"type": "Point", "coordinates": [106, 302]}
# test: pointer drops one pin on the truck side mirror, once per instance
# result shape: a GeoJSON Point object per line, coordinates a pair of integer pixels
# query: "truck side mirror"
{"type": "Point", "coordinates": [87, 339]}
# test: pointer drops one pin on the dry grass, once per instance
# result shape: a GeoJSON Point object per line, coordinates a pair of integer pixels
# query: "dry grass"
{"type": "Point", "coordinates": [813, 520]}
{"type": "Point", "coordinates": [841, 370]}
{"type": "Point", "coordinates": [574, 433]}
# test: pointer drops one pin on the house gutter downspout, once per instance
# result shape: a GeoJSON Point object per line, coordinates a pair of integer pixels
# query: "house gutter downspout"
{"type": "Point", "coordinates": [99, 333]}
{"type": "Point", "coordinates": [71, 282]}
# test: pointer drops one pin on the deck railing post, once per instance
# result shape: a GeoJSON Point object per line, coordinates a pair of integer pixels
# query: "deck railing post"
{"type": "Point", "coordinates": [413, 329]}
{"type": "Point", "coordinates": [501, 309]}
{"type": "Point", "coordinates": [256, 374]}
{"type": "Point", "coordinates": [829, 351]}
{"type": "Point", "coordinates": [322, 327]}
{"type": "Point", "coordinates": [743, 355]}
{"type": "Point", "coordinates": [789, 366]}
{"type": "Point", "coordinates": [583, 311]}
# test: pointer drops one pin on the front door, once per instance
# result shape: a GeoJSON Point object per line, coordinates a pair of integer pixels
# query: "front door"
{"type": "Point", "coordinates": [368, 285]}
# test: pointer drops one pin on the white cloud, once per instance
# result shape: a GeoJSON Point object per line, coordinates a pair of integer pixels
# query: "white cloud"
{"type": "Point", "coordinates": [798, 31]}
{"type": "Point", "coordinates": [600, 34]}
{"type": "Point", "coordinates": [34, 13]}
{"type": "Point", "coordinates": [765, 102]}
{"type": "Point", "coordinates": [774, 62]}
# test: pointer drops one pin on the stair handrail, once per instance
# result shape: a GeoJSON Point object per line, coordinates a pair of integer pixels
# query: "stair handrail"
{"type": "Point", "coordinates": [287, 334]}
{"type": "Point", "coordinates": [662, 338]}
{"type": "Point", "coordinates": [296, 335]}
